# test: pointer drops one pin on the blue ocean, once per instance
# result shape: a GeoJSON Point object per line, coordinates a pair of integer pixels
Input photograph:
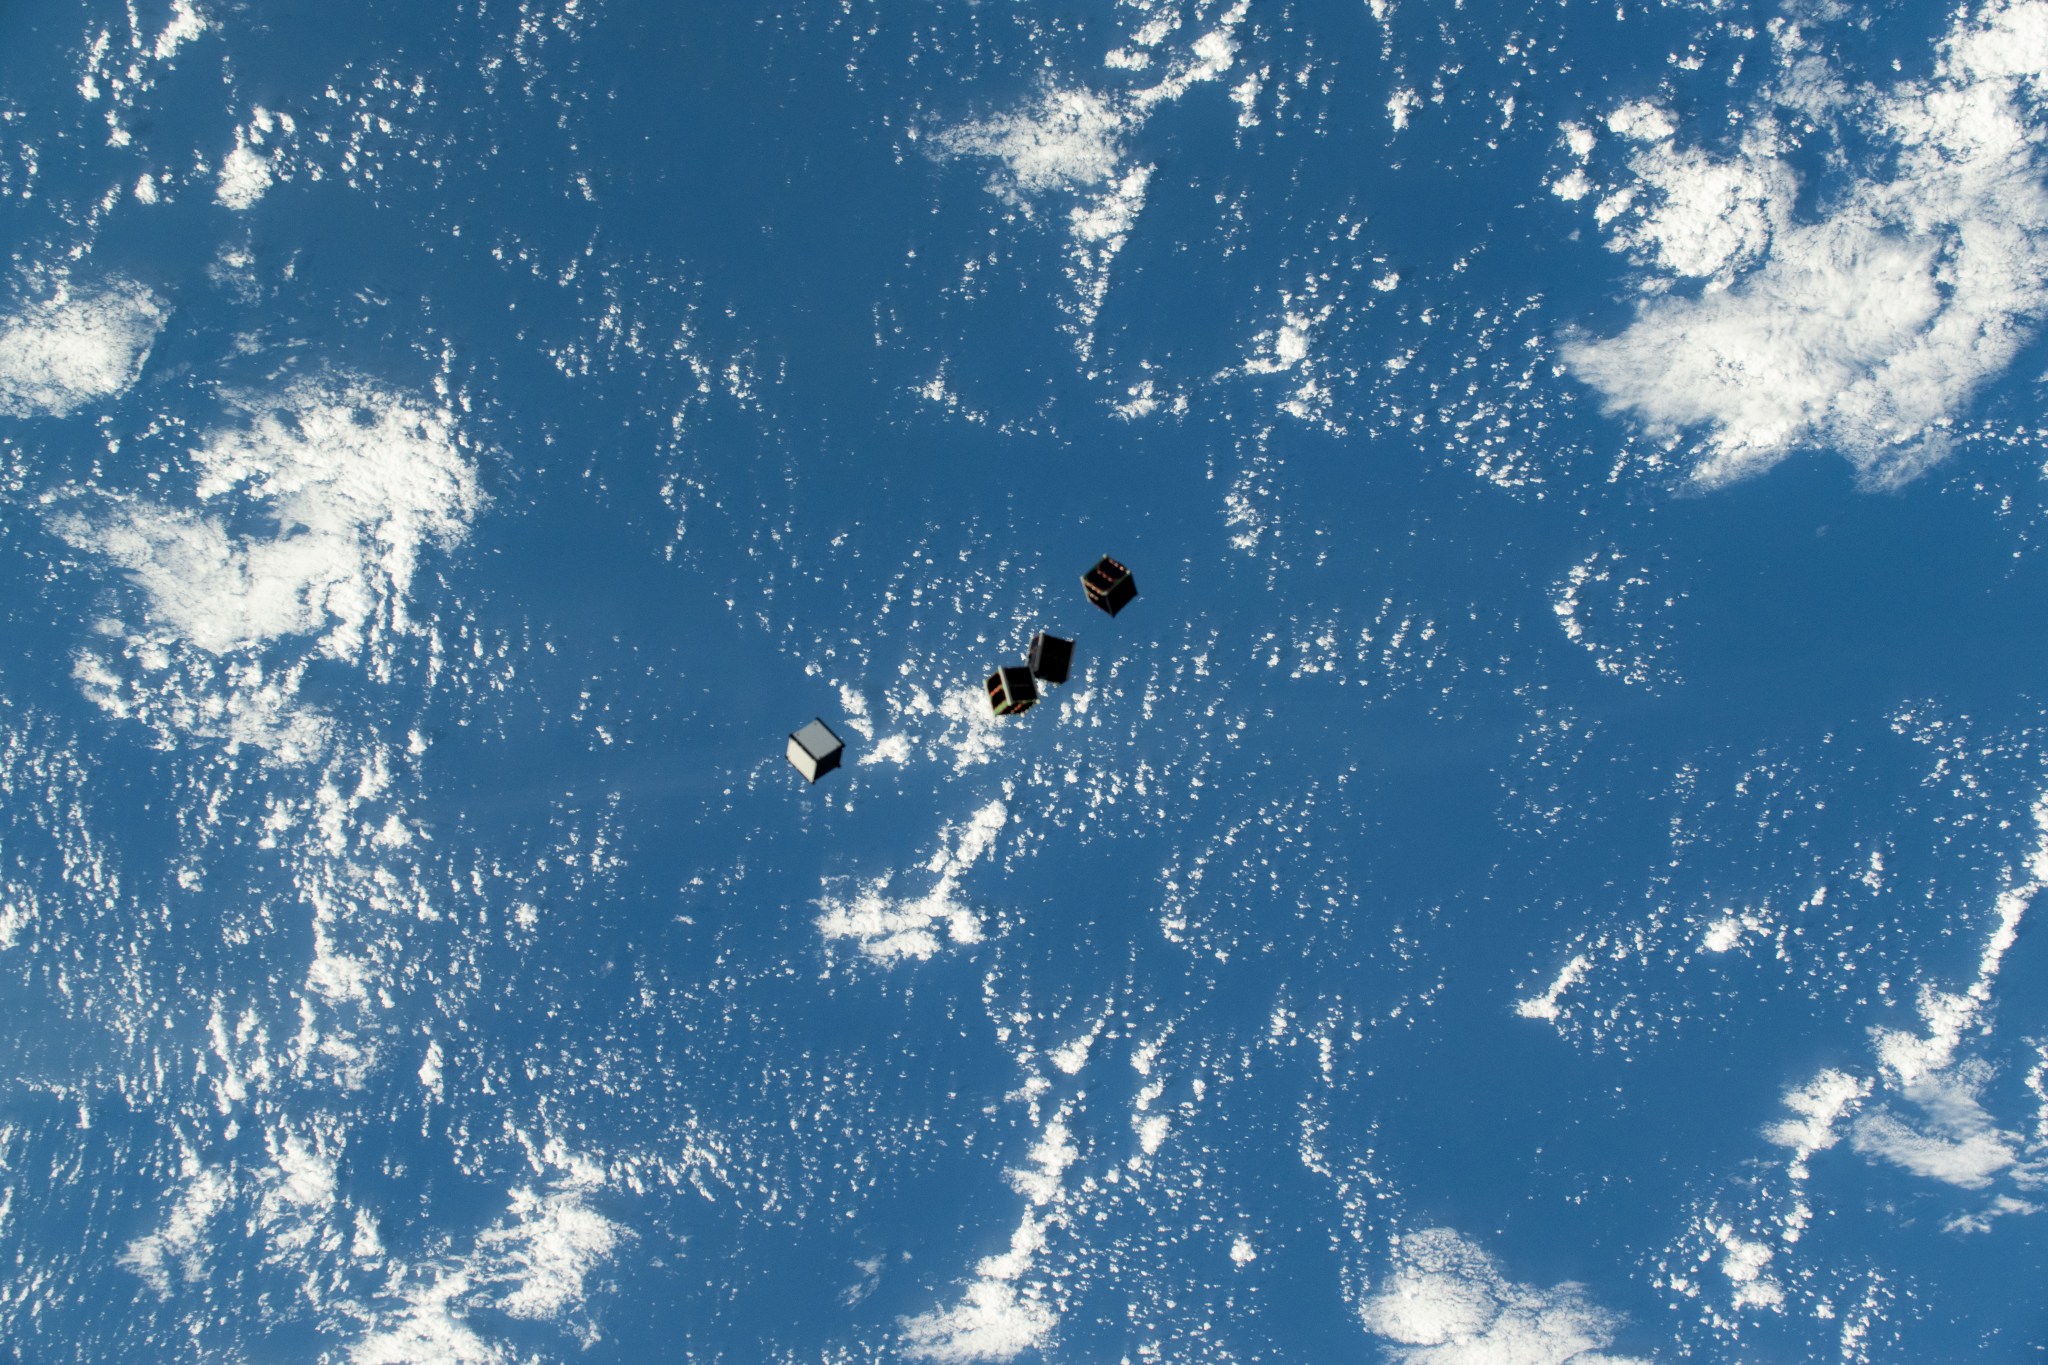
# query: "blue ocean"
{"type": "Point", "coordinates": [1544, 871]}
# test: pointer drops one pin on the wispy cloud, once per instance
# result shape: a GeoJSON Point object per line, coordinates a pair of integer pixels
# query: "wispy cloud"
{"type": "Point", "coordinates": [1947, 1135]}
{"type": "Point", "coordinates": [890, 928]}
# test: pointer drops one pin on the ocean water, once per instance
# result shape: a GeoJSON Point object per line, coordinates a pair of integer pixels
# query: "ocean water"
{"type": "Point", "coordinates": [1542, 873]}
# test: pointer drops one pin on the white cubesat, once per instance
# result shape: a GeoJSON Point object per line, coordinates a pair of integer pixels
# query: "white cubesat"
{"type": "Point", "coordinates": [815, 750]}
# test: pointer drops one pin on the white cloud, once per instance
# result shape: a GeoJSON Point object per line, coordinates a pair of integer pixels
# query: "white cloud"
{"type": "Point", "coordinates": [534, 1263]}
{"type": "Point", "coordinates": [1072, 1055]}
{"type": "Point", "coordinates": [1401, 106]}
{"type": "Point", "coordinates": [186, 23]}
{"type": "Point", "coordinates": [357, 483]}
{"type": "Point", "coordinates": [183, 693]}
{"type": "Point", "coordinates": [895, 749]}
{"type": "Point", "coordinates": [1819, 1104]}
{"type": "Point", "coordinates": [1865, 331]}
{"type": "Point", "coordinates": [75, 346]}
{"type": "Point", "coordinates": [302, 1177]}
{"type": "Point", "coordinates": [546, 1251]}
{"type": "Point", "coordinates": [1745, 1262]}
{"type": "Point", "coordinates": [1618, 601]}
{"type": "Point", "coordinates": [1142, 402]}
{"type": "Point", "coordinates": [890, 929]}
{"type": "Point", "coordinates": [1447, 1303]}
{"type": "Point", "coordinates": [1722, 935]}
{"type": "Point", "coordinates": [1001, 1313]}
{"type": "Point", "coordinates": [1211, 55]}
{"type": "Point", "coordinates": [994, 1320]}
{"type": "Point", "coordinates": [259, 157]}
{"type": "Point", "coordinates": [428, 1328]}
{"type": "Point", "coordinates": [1571, 186]}
{"type": "Point", "coordinates": [1641, 121]}
{"type": "Point", "coordinates": [1097, 229]}
{"type": "Point", "coordinates": [180, 1244]}
{"type": "Point", "coordinates": [1545, 1006]}
{"type": "Point", "coordinates": [1069, 140]}
{"type": "Point", "coordinates": [1066, 140]}
{"type": "Point", "coordinates": [2037, 1081]}
{"type": "Point", "coordinates": [245, 176]}
{"type": "Point", "coordinates": [1968, 1159]}
{"type": "Point", "coordinates": [1103, 222]}
{"type": "Point", "coordinates": [1907, 1058]}
{"type": "Point", "coordinates": [1954, 1139]}
{"type": "Point", "coordinates": [1980, 1220]}
{"type": "Point", "coordinates": [855, 708]}
{"type": "Point", "coordinates": [1049, 1159]}
{"type": "Point", "coordinates": [1707, 218]}
{"type": "Point", "coordinates": [1287, 346]}
{"type": "Point", "coordinates": [1934, 1125]}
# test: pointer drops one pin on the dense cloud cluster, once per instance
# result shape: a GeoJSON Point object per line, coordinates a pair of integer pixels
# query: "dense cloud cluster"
{"type": "Point", "coordinates": [1868, 328]}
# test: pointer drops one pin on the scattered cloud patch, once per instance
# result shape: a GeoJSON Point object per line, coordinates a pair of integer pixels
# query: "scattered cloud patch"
{"type": "Point", "coordinates": [186, 23]}
{"type": "Point", "coordinates": [994, 1320]}
{"type": "Point", "coordinates": [1048, 1161]}
{"type": "Point", "coordinates": [247, 171]}
{"type": "Point", "coordinates": [1905, 1057]}
{"type": "Point", "coordinates": [1980, 1220]}
{"type": "Point", "coordinates": [1640, 121]}
{"type": "Point", "coordinates": [1401, 107]}
{"type": "Point", "coordinates": [944, 723]}
{"type": "Point", "coordinates": [895, 749]}
{"type": "Point", "coordinates": [889, 929]}
{"type": "Point", "coordinates": [356, 482]}
{"type": "Point", "coordinates": [1722, 935]}
{"type": "Point", "coordinates": [75, 345]}
{"type": "Point", "coordinates": [1611, 609]}
{"type": "Point", "coordinates": [1545, 1006]}
{"type": "Point", "coordinates": [244, 178]}
{"type": "Point", "coordinates": [1922, 1111]}
{"type": "Point", "coordinates": [546, 1248]}
{"type": "Point", "coordinates": [1817, 1108]}
{"type": "Point", "coordinates": [1446, 1302]}
{"type": "Point", "coordinates": [1063, 140]}
{"type": "Point", "coordinates": [428, 1325]}
{"type": "Point", "coordinates": [1573, 185]}
{"type": "Point", "coordinates": [534, 1263]}
{"type": "Point", "coordinates": [1141, 400]}
{"type": "Point", "coordinates": [1286, 346]}
{"type": "Point", "coordinates": [854, 706]}
{"type": "Point", "coordinates": [1072, 1055]}
{"type": "Point", "coordinates": [1003, 1312]}
{"type": "Point", "coordinates": [179, 1245]}
{"type": "Point", "coordinates": [359, 482]}
{"type": "Point", "coordinates": [1745, 1262]}
{"type": "Point", "coordinates": [1068, 141]}
{"type": "Point", "coordinates": [2037, 1082]}
{"type": "Point", "coordinates": [1704, 217]}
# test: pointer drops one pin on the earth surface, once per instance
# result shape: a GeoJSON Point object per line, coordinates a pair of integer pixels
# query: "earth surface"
{"type": "Point", "coordinates": [1544, 871]}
